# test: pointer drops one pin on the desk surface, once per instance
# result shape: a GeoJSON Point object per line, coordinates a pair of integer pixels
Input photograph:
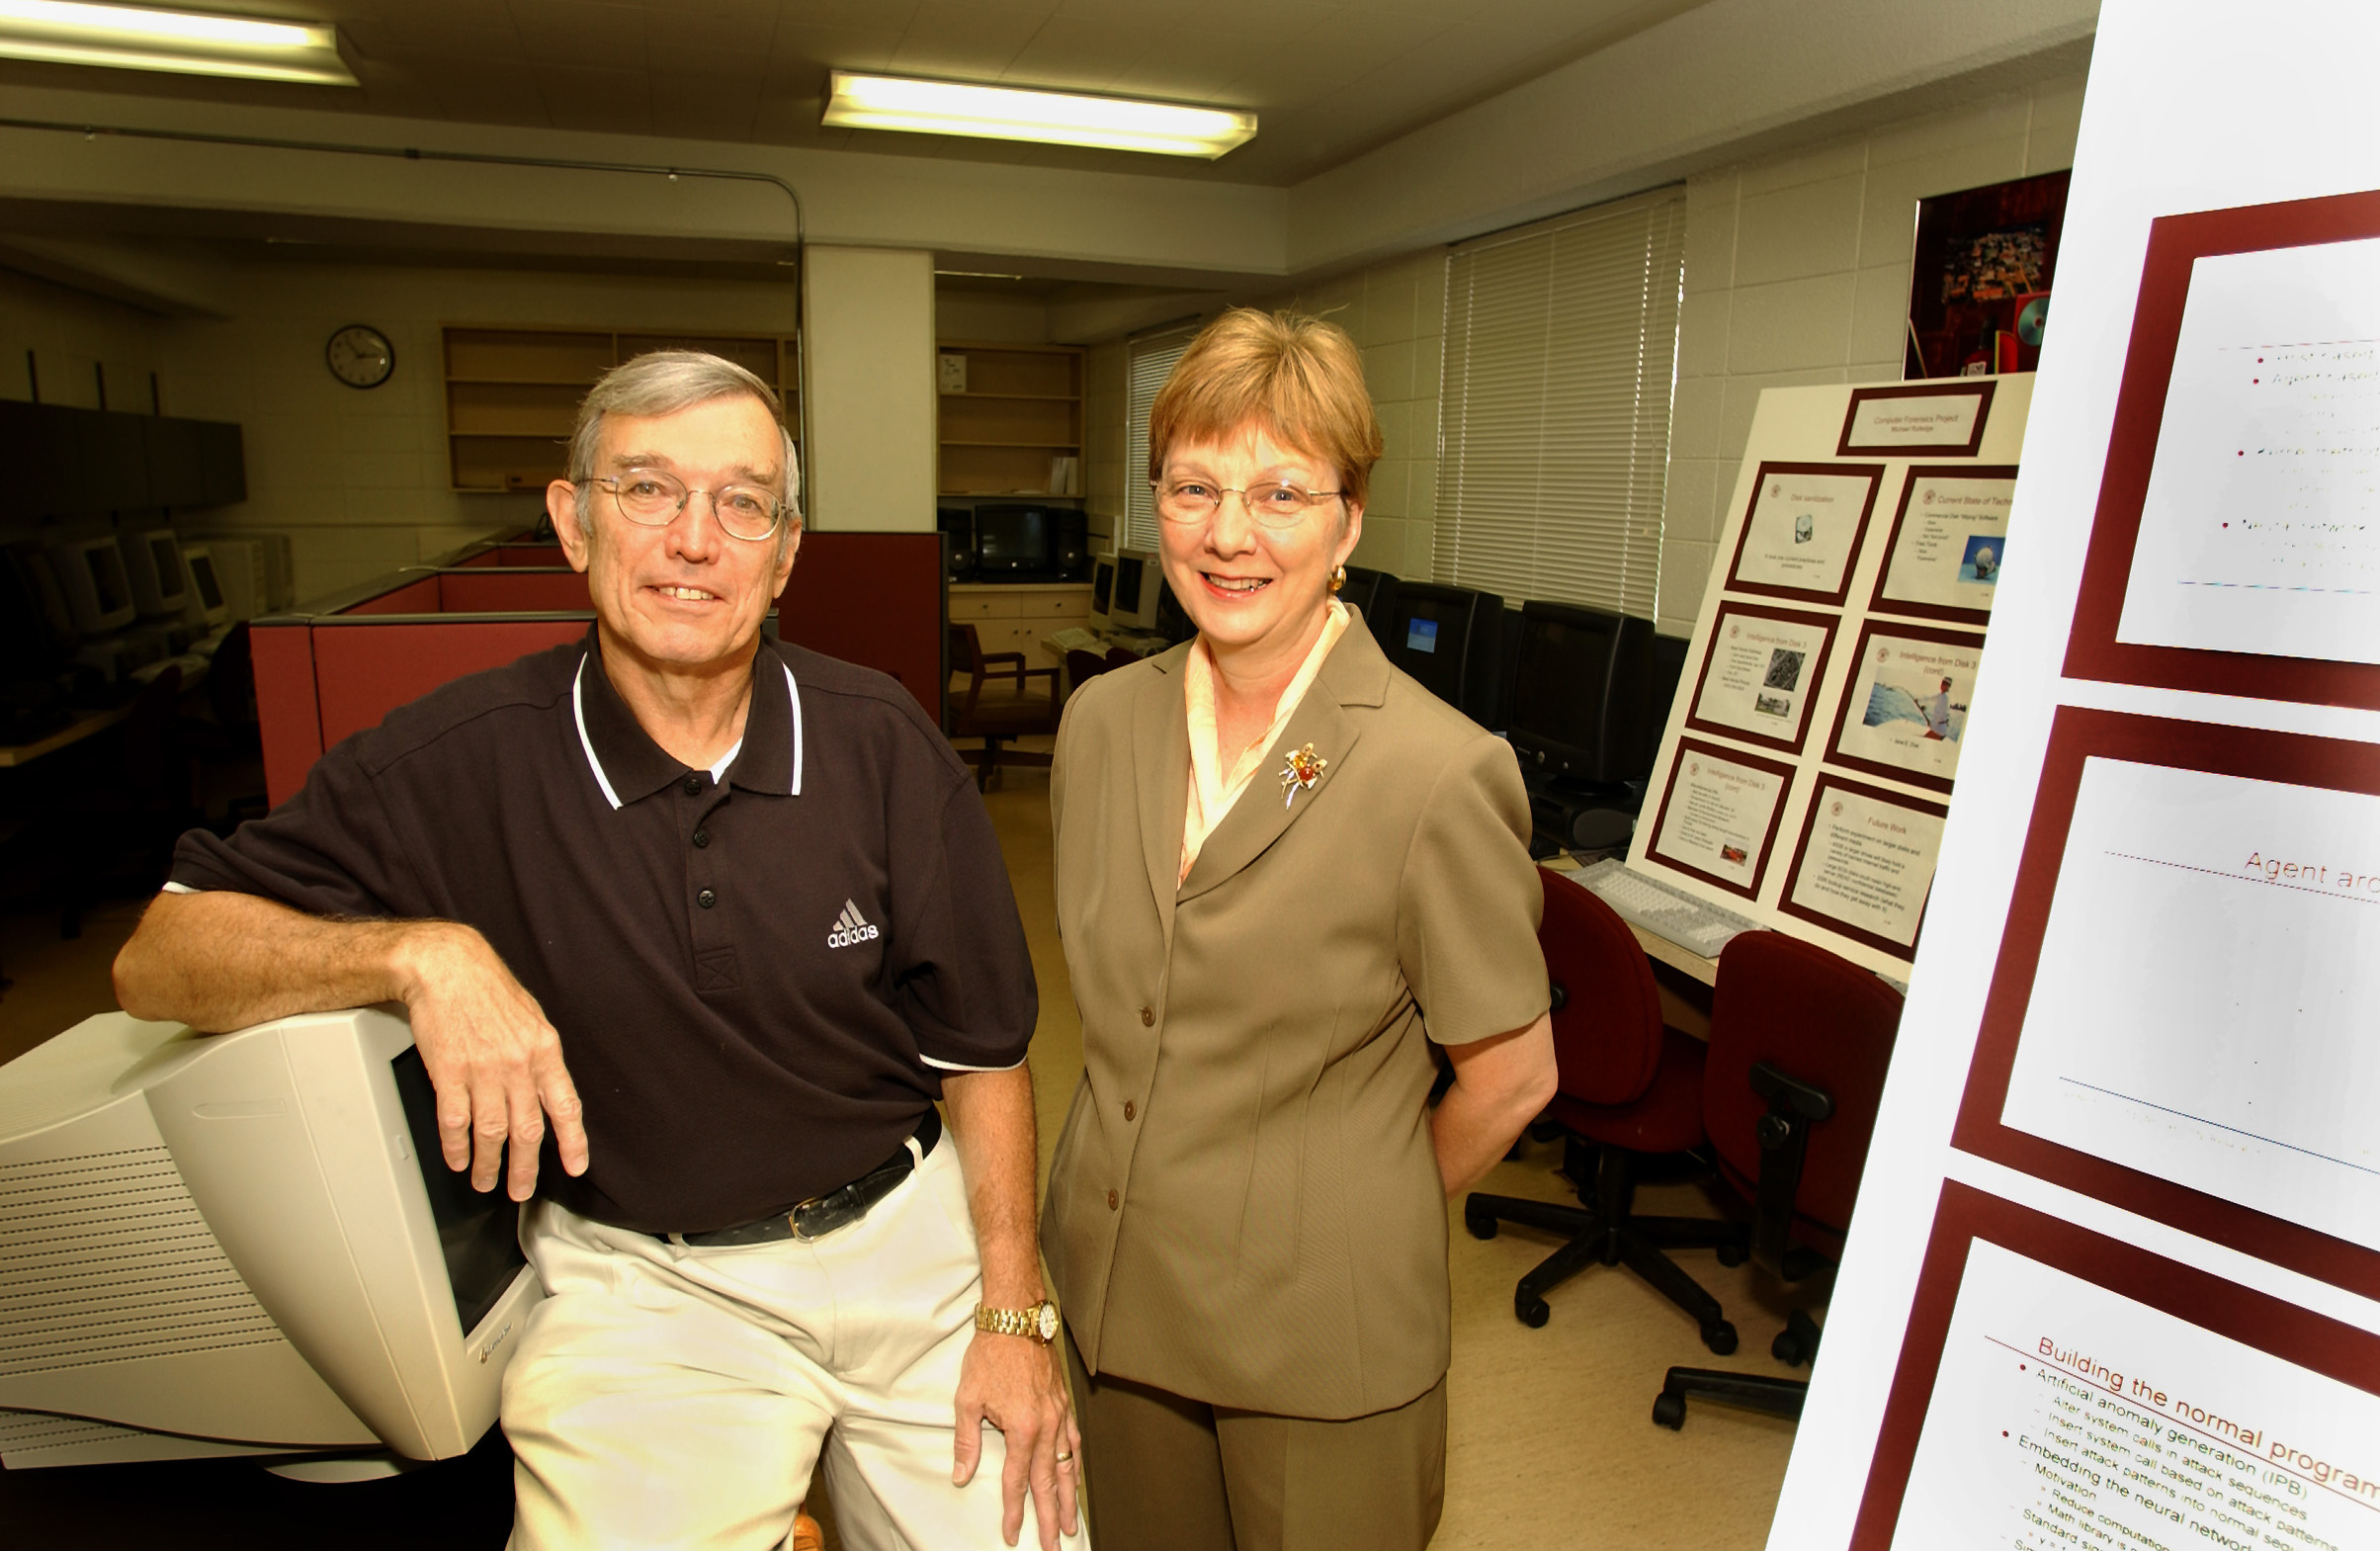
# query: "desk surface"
{"type": "Point", "coordinates": [83, 725]}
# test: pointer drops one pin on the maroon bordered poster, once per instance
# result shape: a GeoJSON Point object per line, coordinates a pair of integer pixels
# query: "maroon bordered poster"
{"type": "Point", "coordinates": [2233, 550]}
{"type": "Point", "coordinates": [2173, 1026]}
{"type": "Point", "coordinates": [1761, 675]}
{"type": "Point", "coordinates": [1719, 815]}
{"type": "Point", "coordinates": [1864, 864]}
{"type": "Point", "coordinates": [1949, 541]}
{"type": "Point", "coordinates": [1905, 703]}
{"type": "Point", "coordinates": [1802, 530]}
{"type": "Point", "coordinates": [1920, 420]}
{"type": "Point", "coordinates": [2052, 1376]}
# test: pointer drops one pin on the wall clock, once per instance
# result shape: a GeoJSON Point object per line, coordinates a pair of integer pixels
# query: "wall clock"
{"type": "Point", "coordinates": [360, 356]}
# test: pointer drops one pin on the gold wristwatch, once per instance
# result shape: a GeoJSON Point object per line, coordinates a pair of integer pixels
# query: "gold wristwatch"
{"type": "Point", "coordinates": [1037, 1320]}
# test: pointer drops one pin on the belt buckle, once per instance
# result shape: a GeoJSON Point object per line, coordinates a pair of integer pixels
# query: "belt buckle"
{"type": "Point", "coordinates": [839, 1196]}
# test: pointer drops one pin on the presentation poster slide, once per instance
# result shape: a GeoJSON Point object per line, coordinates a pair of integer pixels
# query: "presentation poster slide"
{"type": "Point", "coordinates": [1950, 538]}
{"type": "Point", "coordinates": [1904, 709]}
{"type": "Point", "coordinates": [2181, 1021]}
{"type": "Point", "coordinates": [1935, 419]}
{"type": "Point", "coordinates": [1802, 532]}
{"type": "Point", "coordinates": [1719, 815]}
{"type": "Point", "coordinates": [1865, 864]}
{"type": "Point", "coordinates": [1761, 675]}
{"type": "Point", "coordinates": [2059, 1389]}
{"type": "Point", "coordinates": [2239, 513]}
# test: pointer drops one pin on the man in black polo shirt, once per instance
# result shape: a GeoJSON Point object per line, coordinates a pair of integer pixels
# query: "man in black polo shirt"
{"type": "Point", "coordinates": [702, 924]}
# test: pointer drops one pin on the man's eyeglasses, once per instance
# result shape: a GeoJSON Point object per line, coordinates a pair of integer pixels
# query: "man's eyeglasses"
{"type": "Point", "coordinates": [1272, 504]}
{"type": "Point", "coordinates": [652, 498]}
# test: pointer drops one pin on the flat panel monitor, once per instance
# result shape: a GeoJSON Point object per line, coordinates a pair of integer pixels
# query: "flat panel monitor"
{"type": "Point", "coordinates": [1140, 580]}
{"type": "Point", "coordinates": [208, 604]}
{"type": "Point", "coordinates": [1013, 540]}
{"type": "Point", "coordinates": [1448, 637]}
{"type": "Point", "coordinates": [1372, 594]}
{"type": "Point", "coordinates": [1103, 584]}
{"type": "Point", "coordinates": [302, 1272]}
{"type": "Point", "coordinates": [91, 571]}
{"type": "Point", "coordinates": [1580, 689]}
{"type": "Point", "coordinates": [153, 564]}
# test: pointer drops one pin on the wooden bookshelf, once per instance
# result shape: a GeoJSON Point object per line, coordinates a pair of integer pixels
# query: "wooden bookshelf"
{"type": "Point", "coordinates": [512, 394]}
{"type": "Point", "coordinates": [1021, 408]}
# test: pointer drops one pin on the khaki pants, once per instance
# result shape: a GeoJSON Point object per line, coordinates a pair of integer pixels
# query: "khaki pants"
{"type": "Point", "coordinates": [1171, 1474]}
{"type": "Point", "coordinates": [667, 1396]}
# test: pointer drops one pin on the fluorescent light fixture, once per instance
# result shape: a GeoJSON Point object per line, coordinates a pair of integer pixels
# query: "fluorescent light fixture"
{"type": "Point", "coordinates": [1004, 113]}
{"type": "Point", "coordinates": [186, 43]}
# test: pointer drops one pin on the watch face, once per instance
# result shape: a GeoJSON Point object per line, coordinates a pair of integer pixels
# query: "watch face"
{"type": "Point", "coordinates": [360, 356]}
{"type": "Point", "coordinates": [1045, 1321]}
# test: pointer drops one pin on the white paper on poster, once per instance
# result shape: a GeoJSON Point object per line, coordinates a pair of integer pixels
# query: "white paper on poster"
{"type": "Point", "coordinates": [1763, 675]}
{"type": "Point", "coordinates": [1952, 543]}
{"type": "Point", "coordinates": [2260, 529]}
{"type": "Point", "coordinates": [2203, 1008]}
{"type": "Point", "coordinates": [2065, 1415]}
{"type": "Point", "coordinates": [1868, 864]}
{"type": "Point", "coordinates": [1906, 706]}
{"type": "Point", "coordinates": [1802, 531]}
{"type": "Point", "coordinates": [1919, 422]}
{"type": "Point", "coordinates": [1719, 815]}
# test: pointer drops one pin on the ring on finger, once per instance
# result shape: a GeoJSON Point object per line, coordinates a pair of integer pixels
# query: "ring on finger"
{"type": "Point", "coordinates": [1065, 1459]}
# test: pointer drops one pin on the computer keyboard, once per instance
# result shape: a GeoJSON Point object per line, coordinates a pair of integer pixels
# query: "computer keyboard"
{"type": "Point", "coordinates": [1661, 910]}
{"type": "Point", "coordinates": [1075, 639]}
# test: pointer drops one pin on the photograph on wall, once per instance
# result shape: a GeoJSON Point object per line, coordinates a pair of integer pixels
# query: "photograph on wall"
{"type": "Point", "coordinates": [1948, 544]}
{"type": "Point", "coordinates": [1978, 294]}
{"type": "Point", "coordinates": [1719, 815]}
{"type": "Point", "coordinates": [1761, 675]}
{"type": "Point", "coordinates": [2180, 1022]}
{"type": "Point", "coordinates": [1803, 528]}
{"type": "Point", "coordinates": [2060, 1388]}
{"type": "Point", "coordinates": [1905, 708]}
{"type": "Point", "coordinates": [2239, 512]}
{"type": "Point", "coordinates": [1865, 864]}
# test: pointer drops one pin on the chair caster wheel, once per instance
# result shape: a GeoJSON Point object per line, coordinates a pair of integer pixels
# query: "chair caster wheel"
{"type": "Point", "coordinates": [1482, 1225]}
{"type": "Point", "coordinates": [1733, 1255]}
{"type": "Point", "coordinates": [1787, 1349]}
{"type": "Point", "coordinates": [1670, 1411]}
{"type": "Point", "coordinates": [1720, 1338]}
{"type": "Point", "coordinates": [1532, 1311]}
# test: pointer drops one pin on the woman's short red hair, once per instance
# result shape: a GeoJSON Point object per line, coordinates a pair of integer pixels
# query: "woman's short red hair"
{"type": "Point", "coordinates": [1298, 379]}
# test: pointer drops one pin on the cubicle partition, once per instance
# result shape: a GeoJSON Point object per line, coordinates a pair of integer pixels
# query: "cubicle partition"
{"type": "Point", "coordinates": [341, 665]}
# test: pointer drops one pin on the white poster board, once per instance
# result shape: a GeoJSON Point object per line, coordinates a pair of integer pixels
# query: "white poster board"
{"type": "Point", "coordinates": [2120, 1202]}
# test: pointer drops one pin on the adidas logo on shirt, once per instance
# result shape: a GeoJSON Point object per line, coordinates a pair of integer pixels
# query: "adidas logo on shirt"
{"type": "Point", "coordinates": [849, 927]}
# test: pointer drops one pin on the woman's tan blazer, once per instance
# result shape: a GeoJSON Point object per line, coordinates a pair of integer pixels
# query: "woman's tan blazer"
{"type": "Point", "coordinates": [1244, 1207]}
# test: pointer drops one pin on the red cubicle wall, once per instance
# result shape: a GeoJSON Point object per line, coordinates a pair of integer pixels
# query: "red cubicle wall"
{"type": "Point", "coordinates": [871, 598]}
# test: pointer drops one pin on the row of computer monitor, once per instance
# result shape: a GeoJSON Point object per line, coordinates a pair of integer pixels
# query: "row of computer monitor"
{"type": "Point", "coordinates": [1583, 694]}
{"type": "Point", "coordinates": [104, 582]}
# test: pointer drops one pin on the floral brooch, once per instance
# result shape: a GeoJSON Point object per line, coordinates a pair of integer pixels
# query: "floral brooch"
{"type": "Point", "coordinates": [1300, 772]}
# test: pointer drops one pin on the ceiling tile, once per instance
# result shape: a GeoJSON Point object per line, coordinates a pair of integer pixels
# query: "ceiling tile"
{"type": "Point", "coordinates": [1079, 54]}
{"type": "Point", "coordinates": [586, 97]}
{"type": "Point", "coordinates": [582, 32]}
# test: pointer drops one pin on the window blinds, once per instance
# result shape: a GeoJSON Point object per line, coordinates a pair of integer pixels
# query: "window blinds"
{"type": "Point", "coordinates": [1561, 350]}
{"type": "Point", "coordinates": [1150, 360]}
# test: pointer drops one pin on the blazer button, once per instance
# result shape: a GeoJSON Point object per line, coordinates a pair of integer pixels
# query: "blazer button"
{"type": "Point", "coordinates": [1129, 1111]}
{"type": "Point", "coordinates": [1112, 1199]}
{"type": "Point", "coordinates": [1148, 1017]}
{"type": "Point", "coordinates": [706, 899]}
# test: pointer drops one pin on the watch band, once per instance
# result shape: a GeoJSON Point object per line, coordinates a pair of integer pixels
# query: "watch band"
{"type": "Point", "coordinates": [1036, 1319]}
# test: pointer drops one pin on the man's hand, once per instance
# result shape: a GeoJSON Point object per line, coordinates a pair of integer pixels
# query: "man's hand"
{"type": "Point", "coordinates": [494, 1059]}
{"type": "Point", "coordinates": [1015, 1383]}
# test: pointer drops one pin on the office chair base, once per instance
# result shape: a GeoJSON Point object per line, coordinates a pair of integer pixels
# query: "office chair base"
{"type": "Point", "coordinates": [1753, 1391]}
{"type": "Point", "coordinates": [1797, 1342]}
{"type": "Point", "coordinates": [1606, 1235]}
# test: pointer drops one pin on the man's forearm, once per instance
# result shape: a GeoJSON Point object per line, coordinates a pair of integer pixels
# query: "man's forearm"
{"type": "Point", "coordinates": [224, 961]}
{"type": "Point", "coordinates": [991, 1115]}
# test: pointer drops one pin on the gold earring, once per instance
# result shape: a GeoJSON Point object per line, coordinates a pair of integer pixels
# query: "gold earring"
{"type": "Point", "coordinates": [1338, 580]}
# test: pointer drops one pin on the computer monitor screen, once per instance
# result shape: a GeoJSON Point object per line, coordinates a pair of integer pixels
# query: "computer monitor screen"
{"type": "Point", "coordinates": [1139, 578]}
{"type": "Point", "coordinates": [1103, 586]}
{"type": "Point", "coordinates": [1578, 692]}
{"type": "Point", "coordinates": [206, 588]}
{"type": "Point", "coordinates": [1012, 539]}
{"type": "Point", "coordinates": [91, 573]}
{"type": "Point", "coordinates": [1447, 638]}
{"type": "Point", "coordinates": [158, 588]}
{"type": "Point", "coordinates": [303, 1273]}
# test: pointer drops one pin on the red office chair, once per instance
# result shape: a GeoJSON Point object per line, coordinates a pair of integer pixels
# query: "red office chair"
{"type": "Point", "coordinates": [1800, 1039]}
{"type": "Point", "coordinates": [1628, 1085]}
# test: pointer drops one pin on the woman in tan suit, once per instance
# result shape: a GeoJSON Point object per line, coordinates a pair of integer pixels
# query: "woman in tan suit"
{"type": "Point", "coordinates": [1283, 868]}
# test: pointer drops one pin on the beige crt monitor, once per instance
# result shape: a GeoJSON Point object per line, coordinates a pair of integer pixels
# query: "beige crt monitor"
{"type": "Point", "coordinates": [243, 1243]}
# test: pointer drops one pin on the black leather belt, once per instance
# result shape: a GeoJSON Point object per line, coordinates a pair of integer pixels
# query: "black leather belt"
{"type": "Point", "coordinates": [821, 1215]}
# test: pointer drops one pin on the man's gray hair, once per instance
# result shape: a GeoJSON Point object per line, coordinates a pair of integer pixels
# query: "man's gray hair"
{"type": "Point", "coordinates": [663, 383]}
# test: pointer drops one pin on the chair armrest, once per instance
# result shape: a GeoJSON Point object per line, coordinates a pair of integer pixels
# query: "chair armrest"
{"type": "Point", "coordinates": [1784, 1138]}
{"type": "Point", "coordinates": [1017, 658]}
